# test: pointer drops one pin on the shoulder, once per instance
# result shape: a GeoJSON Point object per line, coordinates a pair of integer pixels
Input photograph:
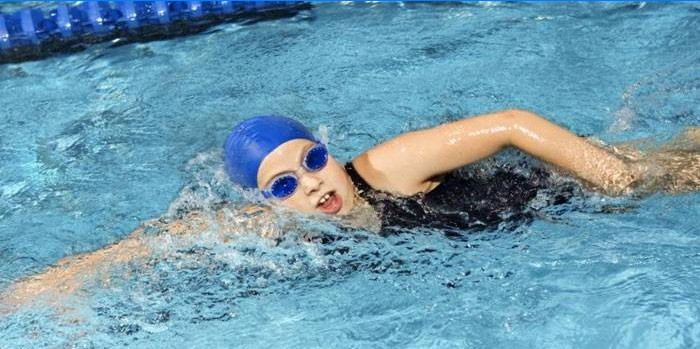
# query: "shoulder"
{"type": "Point", "coordinates": [367, 167]}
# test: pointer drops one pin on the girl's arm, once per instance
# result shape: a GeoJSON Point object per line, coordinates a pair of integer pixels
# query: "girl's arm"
{"type": "Point", "coordinates": [62, 280]}
{"type": "Point", "coordinates": [407, 163]}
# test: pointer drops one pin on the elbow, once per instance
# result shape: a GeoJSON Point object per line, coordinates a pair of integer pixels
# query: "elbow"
{"type": "Point", "coordinates": [521, 118]}
{"type": "Point", "coordinates": [518, 115]}
{"type": "Point", "coordinates": [514, 121]}
{"type": "Point", "coordinates": [512, 118]}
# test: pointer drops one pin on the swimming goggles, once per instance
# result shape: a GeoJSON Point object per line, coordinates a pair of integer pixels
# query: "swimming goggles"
{"type": "Point", "coordinates": [285, 184]}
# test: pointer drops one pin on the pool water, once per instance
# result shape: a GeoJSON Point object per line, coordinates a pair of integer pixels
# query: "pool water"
{"type": "Point", "coordinates": [94, 144]}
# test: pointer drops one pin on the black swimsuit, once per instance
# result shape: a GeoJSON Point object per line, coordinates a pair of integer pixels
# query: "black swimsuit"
{"type": "Point", "coordinates": [466, 200]}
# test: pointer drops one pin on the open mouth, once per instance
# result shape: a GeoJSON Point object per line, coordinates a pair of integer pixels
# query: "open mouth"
{"type": "Point", "coordinates": [330, 203]}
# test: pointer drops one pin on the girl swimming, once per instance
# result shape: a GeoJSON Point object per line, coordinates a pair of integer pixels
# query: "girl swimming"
{"type": "Point", "coordinates": [409, 180]}
{"type": "Point", "coordinates": [406, 181]}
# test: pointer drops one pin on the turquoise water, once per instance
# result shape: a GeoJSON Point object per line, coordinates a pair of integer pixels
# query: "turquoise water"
{"type": "Point", "coordinates": [95, 143]}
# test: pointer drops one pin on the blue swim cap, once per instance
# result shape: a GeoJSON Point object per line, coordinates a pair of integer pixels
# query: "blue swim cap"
{"type": "Point", "coordinates": [251, 141]}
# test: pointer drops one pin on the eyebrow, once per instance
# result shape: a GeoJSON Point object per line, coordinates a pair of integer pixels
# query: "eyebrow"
{"type": "Point", "coordinates": [300, 158]}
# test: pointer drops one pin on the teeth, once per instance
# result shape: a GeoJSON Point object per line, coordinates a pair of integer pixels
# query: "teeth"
{"type": "Point", "coordinates": [324, 198]}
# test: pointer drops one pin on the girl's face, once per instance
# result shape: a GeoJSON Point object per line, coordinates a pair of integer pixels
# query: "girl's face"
{"type": "Point", "coordinates": [328, 190]}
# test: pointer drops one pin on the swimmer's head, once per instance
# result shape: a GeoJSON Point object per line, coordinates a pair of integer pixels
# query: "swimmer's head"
{"type": "Point", "coordinates": [280, 157]}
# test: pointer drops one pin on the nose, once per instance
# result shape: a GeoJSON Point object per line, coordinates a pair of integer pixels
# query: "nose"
{"type": "Point", "coordinates": [310, 183]}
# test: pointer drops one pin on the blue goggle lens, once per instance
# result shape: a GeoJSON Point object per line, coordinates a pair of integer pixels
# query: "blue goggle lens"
{"type": "Point", "coordinates": [283, 186]}
{"type": "Point", "coordinates": [316, 158]}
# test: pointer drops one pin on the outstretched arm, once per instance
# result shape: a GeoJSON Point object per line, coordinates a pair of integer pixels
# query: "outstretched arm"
{"type": "Point", "coordinates": [69, 274]}
{"type": "Point", "coordinates": [407, 163]}
{"type": "Point", "coordinates": [62, 280]}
